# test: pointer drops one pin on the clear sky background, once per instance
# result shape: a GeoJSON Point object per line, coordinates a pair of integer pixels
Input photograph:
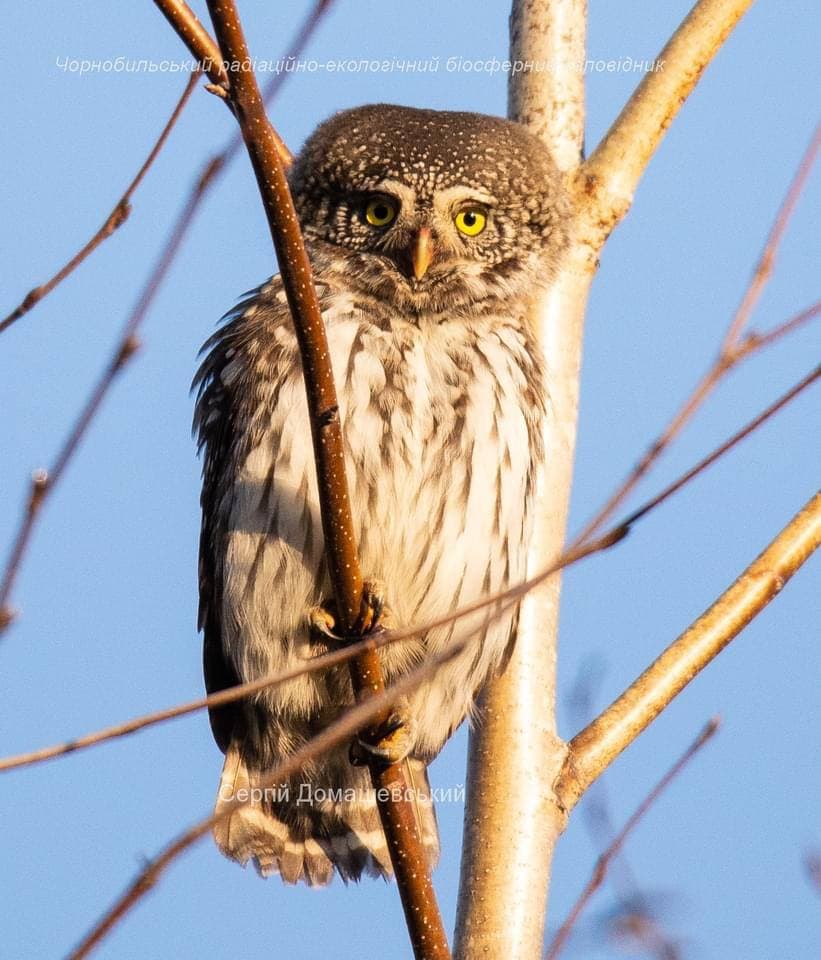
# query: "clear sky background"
{"type": "Point", "coordinates": [108, 592]}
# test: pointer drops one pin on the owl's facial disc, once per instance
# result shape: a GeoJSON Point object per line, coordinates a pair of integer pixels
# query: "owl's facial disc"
{"type": "Point", "coordinates": [429, 211]}
{"type": "Point", "coordinates": [427, 234]}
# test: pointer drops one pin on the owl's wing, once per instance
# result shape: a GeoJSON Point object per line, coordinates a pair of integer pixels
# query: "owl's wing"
{"type": "Point", "coordinates": [221, 425]}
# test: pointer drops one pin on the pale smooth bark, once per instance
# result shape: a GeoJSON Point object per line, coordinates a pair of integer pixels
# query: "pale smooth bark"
{"type": "Point", "coordinates": [513, 815]}
{"type": "Point", "coordinates": [512, 820]}
{"type": "Point", "coordinates": [595, 748]}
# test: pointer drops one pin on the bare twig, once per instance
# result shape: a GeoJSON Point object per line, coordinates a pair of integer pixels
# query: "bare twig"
{"type": "Point", "coordinates": [764, 268]}
{"type": "Point", "coordinates": [349, 723]}
{"type": "Point", "coordinates": [230, 695]}
{"type": "Point", "coordinates": [634, 912]}
{"type": "Point", "coordinates": [723, 448]}
{"type": "Point", "coordinates": [211, 167]}
{"type": "Point", "coordinates": [755, 341]}
{"type": "Point", "coordinates": [194, 35]}
{"type": "Point", "coordinates": [733, 349]}
{"type": "Point", "coordinates": [604, 861]}
{"type": "Point", "coordinates": [44, 482]}
{"type": "Point", "coordinates": [115, 219]}
{"type": "Point", "coordinates": [593, 749]}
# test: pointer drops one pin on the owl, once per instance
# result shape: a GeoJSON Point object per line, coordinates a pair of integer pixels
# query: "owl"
{"type": "Point", "coordinates": [429, 233]}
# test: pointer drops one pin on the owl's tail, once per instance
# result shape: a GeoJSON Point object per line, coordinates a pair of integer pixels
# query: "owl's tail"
{"type": "Point", "coordinates": [308, 845]}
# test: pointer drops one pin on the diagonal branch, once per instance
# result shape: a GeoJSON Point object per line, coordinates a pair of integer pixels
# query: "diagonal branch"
{"type": "Point", "coordinates": [122, 210]}
{"type": "Point", "coordinates": [43, 481]}
{"type": "Point", "coordinates": [764, 268]}
{"type": "Point", "coordinates": [115, 219]}
{"type": "Point", "coordinates": [607, 180]}
{"type": "Point", "coordinates": [349, 723]}
{"type": "Point", "coordinates": [708, 382]}
{"type": "Point", "coordinates": [229, 695]}
{"type": "Point", "coordinates": [593, 749]}
{"type": "Point", "coordinates": [728, 444]}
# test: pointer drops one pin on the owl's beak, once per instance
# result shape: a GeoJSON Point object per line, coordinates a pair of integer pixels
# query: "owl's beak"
{"type": "Point", "coordinates": [422, 252]}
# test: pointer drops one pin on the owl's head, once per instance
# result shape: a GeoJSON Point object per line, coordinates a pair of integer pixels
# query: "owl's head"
{"type": "Point", "coordinates": [431, 210]}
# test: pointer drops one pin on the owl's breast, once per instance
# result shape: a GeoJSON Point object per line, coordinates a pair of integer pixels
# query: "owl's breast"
{"type": "Point", "coordinates": [440, 458]}
{"type": "Point", "coordinates": [440, 432]}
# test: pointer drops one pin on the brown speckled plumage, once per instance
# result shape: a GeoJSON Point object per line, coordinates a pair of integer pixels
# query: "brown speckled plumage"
{"type": "Point", "coordinates": [441, 392]}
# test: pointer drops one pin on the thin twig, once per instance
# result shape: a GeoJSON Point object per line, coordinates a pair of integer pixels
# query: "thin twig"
{"type": "Point", "coordinates": [194, 35]}
{"type": "Point", "coordinates": [755, 341]}
{"type": "Point", "coordinates": [593, 749]}
{"type": "Point", "coordinates": [723, 448]}
{"type": "Point", "coordinates": [229, 695]}
{"type": "Point", "coordinates": [733, 349]}
{"type": "Point", "coordinates": [349, 723]}
{"type": "Point", "coordinates": [764, 268]}
{"type": "Point", "coordinates": [123, 207]}
{"type": "Point", "coordinates": [115, 219]}
{"type": "Point", "coordinates": [604, 861]}
{"type": "Point", "coordinates": [634, 912]}
{"type": "Point", "coordinates": [503, 600]}
{"type": "Point", "coordinates": [190, 30]}
{"type": "Point", "coordinates": [44, 481]}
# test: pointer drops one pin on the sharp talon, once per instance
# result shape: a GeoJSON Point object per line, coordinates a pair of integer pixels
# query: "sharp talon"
{"type": "Point", "coordinates": [321, 623]}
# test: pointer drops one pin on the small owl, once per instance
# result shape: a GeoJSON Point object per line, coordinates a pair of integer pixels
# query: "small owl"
{"type": "Point", "coordinates": [429, 233]}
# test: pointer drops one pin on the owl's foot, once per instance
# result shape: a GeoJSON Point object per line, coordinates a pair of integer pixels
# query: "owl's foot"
{"type": "Point", "coordinates": [391, 743]}
{"type": "Point", "coordinates": [373, 614]}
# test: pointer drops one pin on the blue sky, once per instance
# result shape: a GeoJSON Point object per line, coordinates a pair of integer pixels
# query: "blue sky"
{"type": "Point", "coordinates": [108, 592]}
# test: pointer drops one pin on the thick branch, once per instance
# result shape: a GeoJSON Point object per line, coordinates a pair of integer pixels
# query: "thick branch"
{"type": "Point", "coordinates": [512, 820]}
{"type": "Point", "coordinates": [607, 181]}
{"type": "Point", "coordinates": [595, 748]}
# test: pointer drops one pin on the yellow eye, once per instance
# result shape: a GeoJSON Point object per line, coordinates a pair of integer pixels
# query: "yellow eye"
{"type": "Point", "coordinates": [471, 221]}
{"type": "Point", "coordinates": [380, 212]}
